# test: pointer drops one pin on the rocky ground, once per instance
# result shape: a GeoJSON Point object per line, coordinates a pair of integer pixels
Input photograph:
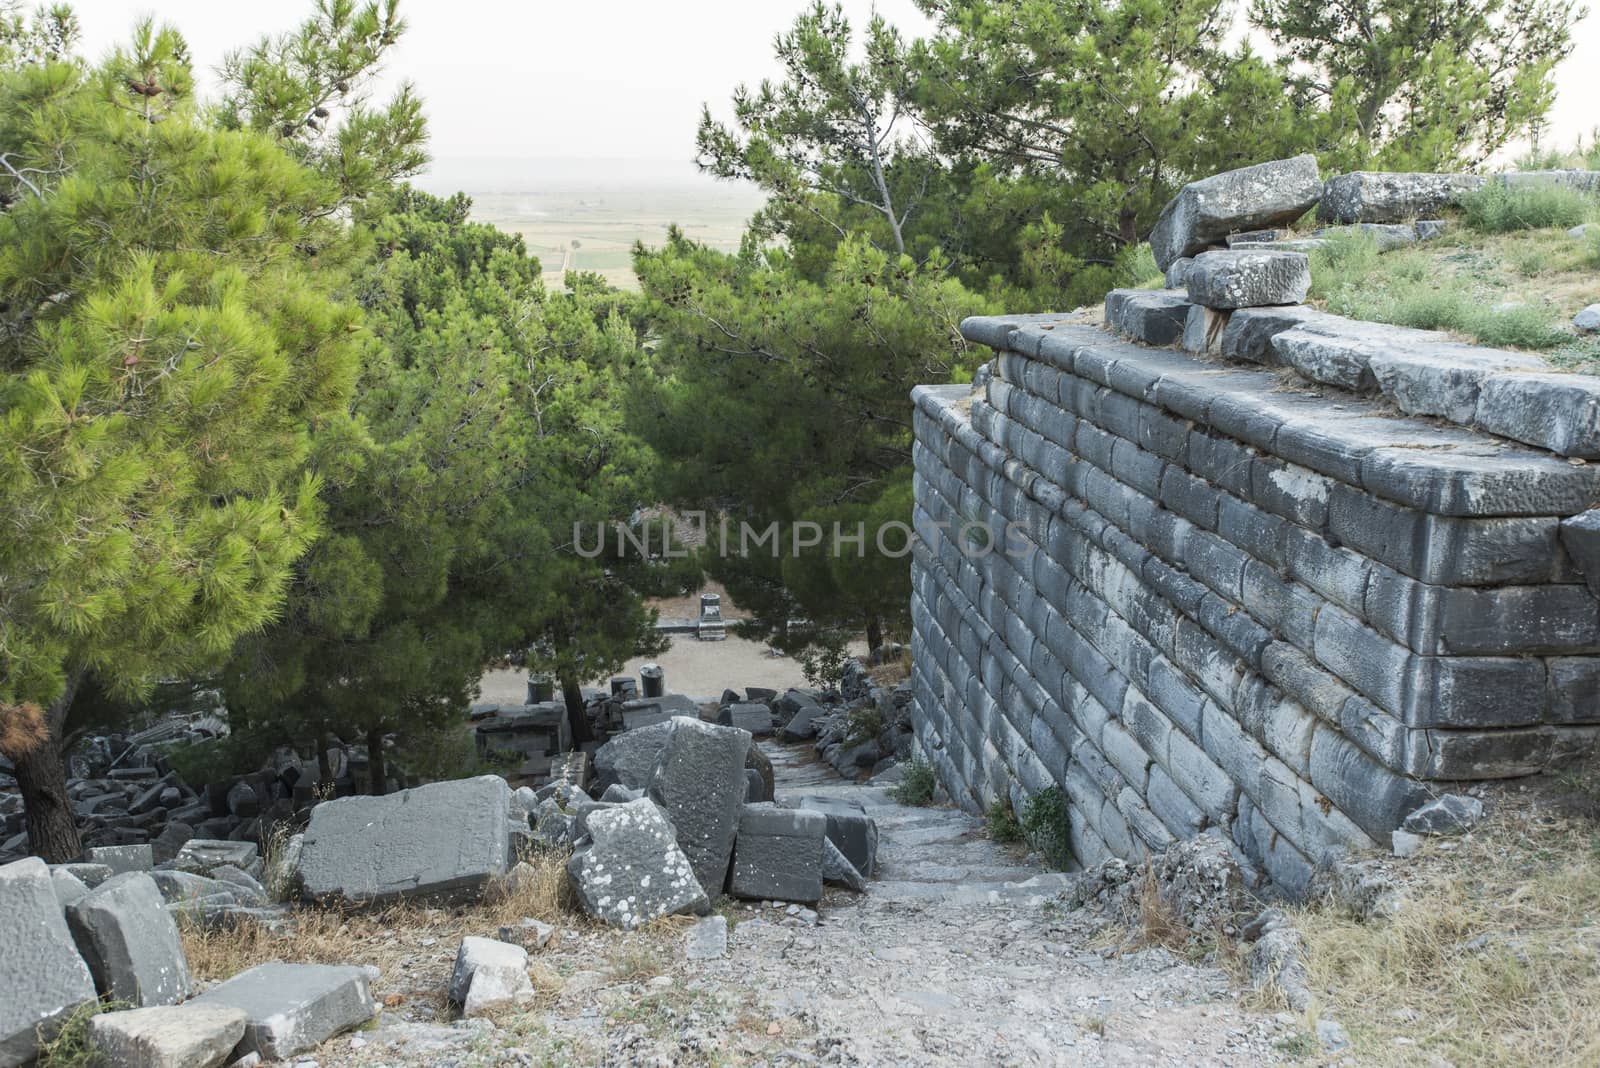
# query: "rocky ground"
{"type": "Point", "coordinates": [962, 952]}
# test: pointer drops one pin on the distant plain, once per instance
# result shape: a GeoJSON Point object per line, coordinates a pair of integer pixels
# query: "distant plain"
{"type": "Point", "coordinates": [587, 215]}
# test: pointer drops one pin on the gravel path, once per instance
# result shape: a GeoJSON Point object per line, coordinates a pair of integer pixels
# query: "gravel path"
{"type": "Point", "coordinates": [959, 954]}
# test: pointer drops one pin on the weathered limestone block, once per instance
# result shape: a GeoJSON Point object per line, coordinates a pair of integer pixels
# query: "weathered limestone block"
{"type": "Point", "coordinates": [488, 975]}
{"type": "Point", "coordinates": [699, 782]}
{"type": "Point", "coordinates": [1153, 316]}
{"type": "Point", "coordinates": [1442, 379]}
{"type": "Point", "coordinates": [1207, 211]}
{"type": "Point", "coordinates": [628, 758]}
{"type": "Point", "coordinates": [44, 979]}
{"type": "Point", "coordinates": [1559, 412]}
{"type": "Point", "coordinates": [633, 870]}
{"type": "Point", "coordinates": [1388, 236]}
{"type": "Point", "coordinates": [202, 855]}
{"type": "Point", "coordinates": [121, 858]}
{"type": "Point", "coordinates": [778, 854]}
{"type": "Point", "coordinates": [130, 941]}
{"type": "Point", "coordinates": [1378, 197]}
{"type": "Point", "coordinates": [747, 716]}
{"type": "Point", "coordinates": [168, 1036]}
{"type": "Point", "coordinates": [1248, 279]}
{"type": "Point", "coordinates": [850, 829]}
{"type": "Point", "coordinates": [446, 840]}
{"type": "Point", "coordinates": [290, 1008]}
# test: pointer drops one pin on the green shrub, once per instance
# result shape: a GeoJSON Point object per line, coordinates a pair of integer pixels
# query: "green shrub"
{"type": "Point", "coordinates": [1522, 326]}
{"type": "Point", "coordinates": [1500, 209]}
{"type": "Point", "coordinates": [916, 784]}
{"type": "Point", "coordinates": [1003, 823]}
{"type": "Point", "coordinates": [1046, 824]}
{"type": "Point", "coordinates": [865, 724]}
{"type": "Point", "coordinates": [1347, 260]}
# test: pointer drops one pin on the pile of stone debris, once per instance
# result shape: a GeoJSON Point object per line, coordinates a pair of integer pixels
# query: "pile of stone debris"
{"type": "Point", "coordinates": [135, 797]}
{"type": "Point", "coordinates": [863, 731]}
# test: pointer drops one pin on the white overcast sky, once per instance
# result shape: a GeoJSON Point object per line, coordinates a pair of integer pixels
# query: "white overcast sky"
{"type": "Point", "coordinates": [602, 79]}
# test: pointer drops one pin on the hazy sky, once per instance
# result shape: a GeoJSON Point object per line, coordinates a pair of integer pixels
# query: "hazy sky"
{"type": "Point", "coordinates": [602, 79]}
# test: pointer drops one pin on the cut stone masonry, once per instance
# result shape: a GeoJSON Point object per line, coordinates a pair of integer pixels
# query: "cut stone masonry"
{"type": "Point", "coordinates": [1200, 599]}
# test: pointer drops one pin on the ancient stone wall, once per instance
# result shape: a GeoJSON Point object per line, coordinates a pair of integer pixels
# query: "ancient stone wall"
{"type": "Point", "coordinates": [1203, 596]}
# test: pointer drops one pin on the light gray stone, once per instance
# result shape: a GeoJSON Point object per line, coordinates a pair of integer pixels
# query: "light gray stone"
{"type": "Point", "coordinates": [699, 782]}
{"type": "Point", "coordinates": [528, 933]}
{"type": "Point", "coordinates": [168, 1036]}
{"type": "Point", "coordinates": [1178, 271]}
{"type": "Point", "coordinates": [707, 939]}
{"type": "Point", "coordinates": [1152, 316]}
{"type": "Point", "coordinates": [1381, 197]}
{"type": "Point", "coordinates": [778, 854]}
{"type": "Point", "coordinates": [444, 841]}
{"type": "Point", "coordinates": [488, 975]}
{"type": "Point", "coordinates": [1248, 279]}
{"type": "Point", "coordinates": [69, 888]}
{"type": "Point", "coordinates": [1442, 379]}
{"type": "Point", "coordinates": [1389, 236]}
{"type": "Point", "coordinates": [1559, 412]}
{"type": "Point", "coordinates": [628, 758]}
{"type": "Point", "coordinates": [1404, 843]}
{"type": "Point", "coordinates": [130, 941]}
{"type": "Point", "coordinates": [1588, 320]}
{"type": "Point", "coordinates": [43, 978]}
{"type": "Point", "coordinates": [850, 829]}
{"type": "Point", "coordinates": [749, 716]}
{"type": "Point", "coordinates": [1445, 815]}
{"type": "Point", "coordinates": [1207, 211]}
{"type": "Point", "coordinates": [838, 871]}
{"type": "Point", "coordinates": [202, 855]}
{"type": "Point", "coordinates": [290, 1008]}
{"type": "Point", "coordinates": [121, 858]}
{"type": "Point", "coordinates": [632, 870]}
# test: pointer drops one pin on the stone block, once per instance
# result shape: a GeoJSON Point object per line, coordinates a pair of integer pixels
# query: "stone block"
{"type": "Point", "coordinates": [1250, 279]}
{"type": "Point", "coordinates": [1442, 379]}
{"type": "Point", "coordinates": [44, 979]}
{"type": "Point", "coordinates": [755, 718]}
{"type": "Point", "coordinates": [167, 1036]}
{"type": "Point", "coordinates": [130, 942]}
{"type": "Point", "coordinates": [443, 841]}
{"type": "Point", "coordinates": [1203, 330]}
{"type": "Point", "coordinates": [488, 975]}
{"type": "Point", "coordinates": [202, 855]}
{"type": "Point", "coordinates": [1249, 331]}
{"type": "Point", "coordinates": [1207, 211]}
{"type": "Point", "coordinates": [699, 782]}
{"type": "Point", "coordinates": [1381, 197]}
{"type": "Point", "coordinates": [850, 829]}
{"type": "Point", "coordinates": [632, 871]}
{"type": "Point", "coordinates": [291, 1008]}
{"type": "Point", "coordinates": [1152, 316]}
{"type": "Point", "coordinates": [1559, 412]}
{"type": "Point", "coordinates": [121, 858]}
{"type": "Point", "coordinates": [778, 854]}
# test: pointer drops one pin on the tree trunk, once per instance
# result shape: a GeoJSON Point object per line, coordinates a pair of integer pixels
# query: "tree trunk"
{"type": "Point", "coordinates": [874, 634]}
{"type": "Point", "coordinates": [577, 718]}
{"type": "Point", "coordinates": [42, 777]}
{"type": "Point", "coordinates": [377, 774]}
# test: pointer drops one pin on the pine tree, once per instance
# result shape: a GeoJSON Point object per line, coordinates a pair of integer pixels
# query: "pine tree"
{"type": "Point", "coordinates": [167, 346]}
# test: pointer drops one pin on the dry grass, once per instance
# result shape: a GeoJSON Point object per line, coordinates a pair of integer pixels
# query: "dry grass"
{"type": "Point", "coordinates": [396, 939]}
{"type": "Point", "coordinates": [1494, 961]}
{"type": "Point", "coordinates": [893, 672]}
